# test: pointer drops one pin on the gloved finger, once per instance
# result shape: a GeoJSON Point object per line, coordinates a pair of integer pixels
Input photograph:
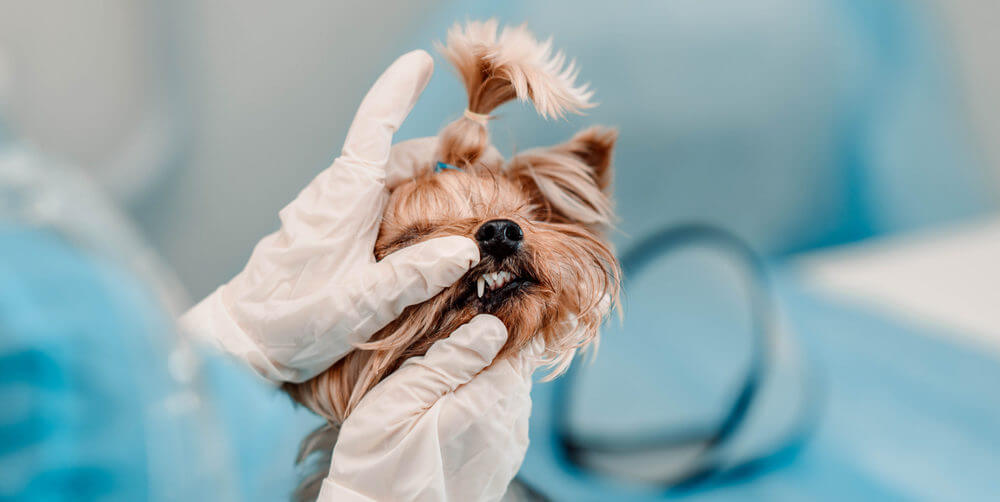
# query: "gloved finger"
{"type": "Point", "coordinates": [502, 392]}
{"type": "Point", "coordinates": [383, 109]}
{"type": "Point", "coordinates": [451, 362]}
{"type": "Point", "coordinates": [498, 396]}
{"type": "Point", "coordinates": [503, 384]}
{"type": "Point", "coordinates": [416, 273]}
{"type": "Point", "coordinates": [408, 158]}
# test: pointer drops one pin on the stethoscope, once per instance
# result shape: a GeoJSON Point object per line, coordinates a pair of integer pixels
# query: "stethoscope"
{"type": "Point", "coordinates": [706, 461]}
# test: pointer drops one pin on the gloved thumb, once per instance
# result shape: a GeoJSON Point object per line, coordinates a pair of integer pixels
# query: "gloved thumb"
{"type": "Point", "coordinates": [453, 361]}
{"type": "Point", "coordinates": [416, 273]}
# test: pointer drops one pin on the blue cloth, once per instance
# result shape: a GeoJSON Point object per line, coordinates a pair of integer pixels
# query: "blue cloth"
{"type": "Point", "coordinates": [92, 409]}
{"type": "Point", "coordinates": [78, 374]}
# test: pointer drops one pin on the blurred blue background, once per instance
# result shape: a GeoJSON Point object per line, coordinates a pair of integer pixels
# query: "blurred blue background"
{"type": "Point", "coordinates": [146, 146]}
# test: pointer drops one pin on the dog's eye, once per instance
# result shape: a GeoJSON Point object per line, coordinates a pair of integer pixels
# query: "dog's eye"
{"type": "Point", "coordinates": [409, 235]}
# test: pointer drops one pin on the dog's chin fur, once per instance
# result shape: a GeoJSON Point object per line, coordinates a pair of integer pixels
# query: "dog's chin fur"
{"type": "Point", "coordinates": [565, 276]}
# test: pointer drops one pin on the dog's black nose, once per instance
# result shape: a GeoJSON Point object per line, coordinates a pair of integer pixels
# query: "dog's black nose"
{"type": "Point", "coordinates": [499, 238]}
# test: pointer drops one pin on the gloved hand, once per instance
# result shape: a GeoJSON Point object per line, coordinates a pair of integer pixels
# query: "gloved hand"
{"type": "Point", "coordinates": [440, 428]}
{"type": "Point", "coordinates": [313, 289]}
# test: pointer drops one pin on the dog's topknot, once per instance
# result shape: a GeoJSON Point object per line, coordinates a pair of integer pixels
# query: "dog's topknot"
{"type": "Point", "coordinates": [500, 66]}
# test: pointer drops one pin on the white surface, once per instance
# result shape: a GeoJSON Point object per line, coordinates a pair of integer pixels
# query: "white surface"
{"type": "Point", "coordinates": [949, 278]}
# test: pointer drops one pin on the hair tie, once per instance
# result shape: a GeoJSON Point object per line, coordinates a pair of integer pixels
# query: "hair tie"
{"type": "Point", "coordinates": [441, 166]}
{"type": "Point", "coordinates": [482, 118]}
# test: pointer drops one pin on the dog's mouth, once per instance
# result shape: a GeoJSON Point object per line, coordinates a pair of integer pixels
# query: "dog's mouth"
{"type": "Point", "coordinates": [495, 282]}
{"type": "Point", "coordinates": [491, 289]}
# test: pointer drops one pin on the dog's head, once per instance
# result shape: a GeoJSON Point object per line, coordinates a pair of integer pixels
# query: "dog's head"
{"type": "Point", "coordinates": [544, 263]}
{"type": "Point", "coordinates": [545, 266]}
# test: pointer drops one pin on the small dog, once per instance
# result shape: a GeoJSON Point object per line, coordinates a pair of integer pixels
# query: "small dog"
{"type": "Point", "coordinates": [545, 270]}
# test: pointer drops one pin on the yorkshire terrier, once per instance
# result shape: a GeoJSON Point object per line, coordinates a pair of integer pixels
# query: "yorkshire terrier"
{"type": "Point", "coordinates": [546, 269]}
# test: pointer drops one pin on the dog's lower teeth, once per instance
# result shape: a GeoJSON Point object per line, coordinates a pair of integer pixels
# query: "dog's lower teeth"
{"type": "Point", "coordinates": [480, 286]}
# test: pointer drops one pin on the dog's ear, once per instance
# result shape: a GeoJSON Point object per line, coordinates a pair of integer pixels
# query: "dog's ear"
{"type": "Point", "coordinates": [571, 181]}
{"type": "Point", "coordinates": [594, 147]}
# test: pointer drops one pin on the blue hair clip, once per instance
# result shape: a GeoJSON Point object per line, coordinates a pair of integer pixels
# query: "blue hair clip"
{"type": "Point", "coordinates": [441, 166]}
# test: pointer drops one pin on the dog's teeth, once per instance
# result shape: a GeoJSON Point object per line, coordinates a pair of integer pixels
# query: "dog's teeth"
{"type": "Point", "coordinates": [493, 281]}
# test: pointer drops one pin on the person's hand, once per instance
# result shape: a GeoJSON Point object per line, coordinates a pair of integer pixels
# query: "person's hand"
{"type": "Point", "coordinates": [313, 289]}
{"type": "Point", "coordinates": [440, 427]}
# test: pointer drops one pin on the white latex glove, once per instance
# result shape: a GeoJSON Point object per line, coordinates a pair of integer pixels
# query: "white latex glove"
{"type": "Point", "coordinates": [440, 428]}
{"type": "Point", "coordinates": [313, 289]}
